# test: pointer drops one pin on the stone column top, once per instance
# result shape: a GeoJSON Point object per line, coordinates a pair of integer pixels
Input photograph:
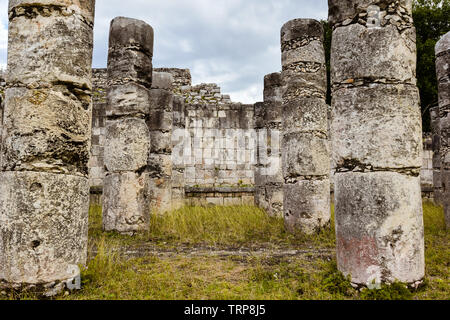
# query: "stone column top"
{"type": "Point", "coordinates": [273, 80]}
{"type": "Point", "coordinates": [128, 32]}
{"type": "Point", "coordinates": [340, 10]}
{"type": "Point", "coordinates": [443, 44]}
{"type": "Point", "coordinates": [85, 8]}
{"type": "Point", "coordinates": [301, 28]}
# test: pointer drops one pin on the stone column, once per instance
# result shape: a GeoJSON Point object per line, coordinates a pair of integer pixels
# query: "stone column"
{"type": "Point", "coordinates": [305, 151]}
{"type": "Point", "coordinates": [436, 136]}
{"type": "Point", "coordinates": [270, 176]}
{"type": "Point", "coordinates": [44, 189]}
{"type": "Point", "coordinates": [127, 141]}
{"type": "Point", "coordinates": [178, 139]}
{"type": "Point", "coordinates": [377, 142]}
{"type": "Point", "coordinates": [160, 161]}
{"type": "Point", "coordinates": [443, 75]}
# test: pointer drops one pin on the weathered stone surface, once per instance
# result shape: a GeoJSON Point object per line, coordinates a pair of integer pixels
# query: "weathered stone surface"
{"type": "Point", "coordinates": [305, 115]}
{"type": "Point", "coordinates": [162, 80]}
{"type": "Point", "coordinates": [161, 110]}
{"type": "Point", "coordinates": [46, 130]}
{"type": "Point", "coordinates": [378, 126]}
{"type": "Point", "coordinates": [160, 195]}
{"type": "Point", "coordinates": [353, 57]}
{"type": "Point", "coordinates": [305, 146]}
{"type": "Point", "coordinates": [340, 11]}
{"type": "Point", "coordinates": [273, 91]}
{"type": "Point", "coordinates": [305, 155]}
{"type": "Point", "coordinates": [125, 202]}
{"type": "Point", "coordinates": [301, 28]}
{"type": "Point", "coordinates": [127, 145]}
{"type": "Point", "coordinates": [307, 205]}
{"type": "Point", "coordinates": [443, 74]}
{"type": "Point", "coordinates": [130, 52]}
{"type": "Point", "coordinates": [379, 227]}
{"type": "Point", "coordinates": [377, 135]}
{"type": "Point", "coordinates": [129, 99]}
{"type": "Point", "coordinates": [83, 8]}
{"type": "Point", "coordinates": [50, 43]}
{"type": "Point", "coordinates": [436, 136]}
{"type": "Point", "coordinates": [43, 229]}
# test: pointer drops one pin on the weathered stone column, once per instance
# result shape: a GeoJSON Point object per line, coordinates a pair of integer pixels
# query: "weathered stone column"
{"type": "Point", "coordinates": [269, 175]}
{"type": "Point", "coordinates": [127, 142]}
{"type": "Point", "coordinates": [305, 149]}
{"type": "Point", "coordinates": [377, 142]}
{"type": "Point", "coordinates": [178, 146]}
{"type": "Point", "coordinates": [436, 136]}
{"type": "Point", "coordinates": [44, 188]}
{"type": "Point", "coordinates": [160, 160]}
{"type": "Point", "coordinates": [443, 75]}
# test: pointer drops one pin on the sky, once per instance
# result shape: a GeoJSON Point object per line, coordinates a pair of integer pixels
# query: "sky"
{"type": "Point", "coordinates": [233, 43]}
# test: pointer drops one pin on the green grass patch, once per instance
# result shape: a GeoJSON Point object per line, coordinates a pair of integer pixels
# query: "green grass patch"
{"type": "Point", "coordinates": [109, 275]}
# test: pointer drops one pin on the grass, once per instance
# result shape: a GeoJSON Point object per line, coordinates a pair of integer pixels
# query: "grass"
{"type": "Point", "coordinates": [110, 275]}
{"type": "Point", "coordinates": [222, 226]}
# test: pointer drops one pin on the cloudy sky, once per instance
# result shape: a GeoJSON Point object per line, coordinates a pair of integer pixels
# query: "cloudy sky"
{"type": "Point", "coordinates": [230, 42]}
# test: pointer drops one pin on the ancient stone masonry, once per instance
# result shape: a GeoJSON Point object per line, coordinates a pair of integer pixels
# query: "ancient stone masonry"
{"type": "Point", "coordinates": [126, 154]}
{"type": "Point", "coordinates": [160, 123]}
{"type": "Point", "coordinates": [379, 223]}
{"type": "Point", "coordinates": [436, 149]}
{"type": "Point", "coordinates": [44, 189]}
{"type": "Point", "coordinates": [443, 75]}
{"type": "Point", "coordinates": [305, 146]}
{"type": "Point", "coordinates": [268, 170]}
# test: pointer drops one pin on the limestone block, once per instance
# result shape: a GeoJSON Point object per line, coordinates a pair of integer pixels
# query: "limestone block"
{"type": "Point", "coordinates": [353, 57]}
{"type": "Point", "coordinates": [161, 110]}
{"type": "Point", "coordinates": [444, 95]}
{"type": "Point", "coordinates": [161, 142]}
{"type": "Point", "coordinates": [300, 85]}
{"type": "Point", "coordinates": [45, 49]}
{"type": "Point", "coordinates": [46, 130]}
{"type": "Point", "coordinates": [379, 227]}
{"type": "Point", "coordinates": [126, 202]}
{"type": "Point", "coordinates": [160, 165]}
{"type": "Point", "coordinates": [305, 155]}
{"type": "Point", "coordinates": [273, 87]}
{"type": "Point", "coordinates": [43, 229]}
{"type": "Point", "coordinates": [160, 195]}
{"type": "Point", "coordinates": [312, 52]}
{"type": "Point", "coordinates": [305, 115]}
{"type": "Point", "coordinates": [307, 205]}
{"type": "Point", "coordinates": [130, 52]}
{"type": "Point", "coordinates": [162, 80]}
{"type": "Point", "coordinates": [129, 99]}
{"type": "Point", "coordinates": [377, 126]}
{"type": "Point", "coordinates": [298, 28]}
{"type": "Point", "coordinates": [127, 145]}
{"type": "Point", "coordinates": [275, 198]}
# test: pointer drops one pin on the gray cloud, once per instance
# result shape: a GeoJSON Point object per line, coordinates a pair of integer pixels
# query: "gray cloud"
{"type": "Point", "coordinates": [230, 42]}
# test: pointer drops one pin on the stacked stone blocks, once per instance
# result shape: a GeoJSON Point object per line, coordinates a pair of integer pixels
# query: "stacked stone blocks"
{"type": "Point", "coordinates": [126, 155]}
{"type": "Point", "coordinates": [44, 194]}
{"type": "Point", "coordinates": [305, 155]}
{"type": "Point", "coordinates": [377, 142]}
{"type": "Point", "coordinates": [443, 76]}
